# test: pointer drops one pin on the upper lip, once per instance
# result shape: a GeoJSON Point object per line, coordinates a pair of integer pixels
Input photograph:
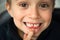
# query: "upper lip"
{"type": "Point", "coordinates": [33, 22]}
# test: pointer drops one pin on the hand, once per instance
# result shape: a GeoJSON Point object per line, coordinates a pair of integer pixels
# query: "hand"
{"type": "Point", "coordinates": [28, 36]}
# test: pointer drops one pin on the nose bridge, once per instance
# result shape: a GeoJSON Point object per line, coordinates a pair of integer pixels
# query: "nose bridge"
{"type": "Point", "coordinates": [34, 13]}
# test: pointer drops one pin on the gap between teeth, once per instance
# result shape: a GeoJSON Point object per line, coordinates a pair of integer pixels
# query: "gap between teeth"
{"type": "Point", "coordinates": [32, 25]}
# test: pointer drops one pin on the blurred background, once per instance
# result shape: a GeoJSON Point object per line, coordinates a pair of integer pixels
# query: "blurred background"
{"type": "Point", "coordinates": [2, 5]}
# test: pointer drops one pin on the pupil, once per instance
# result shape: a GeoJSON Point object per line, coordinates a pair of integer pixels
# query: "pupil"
{"type": "Point", "coordinates": [44, 5]}
{"type": "Point", "coordinates": [24, 5]}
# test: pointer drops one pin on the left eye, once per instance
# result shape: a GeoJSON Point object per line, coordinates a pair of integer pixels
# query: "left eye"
{"type": "Point", "coordinates": [43, 5]}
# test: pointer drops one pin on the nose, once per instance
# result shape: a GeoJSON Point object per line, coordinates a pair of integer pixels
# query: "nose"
{"type": "Point", "coordinates": [34, 13]}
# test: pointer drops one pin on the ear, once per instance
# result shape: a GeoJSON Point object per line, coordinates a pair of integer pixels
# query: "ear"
{"type": "Point", "coordinates": [8, 7]}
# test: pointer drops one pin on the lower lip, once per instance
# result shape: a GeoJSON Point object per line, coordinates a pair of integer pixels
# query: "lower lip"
{"type": "Point", "coordinates": [33, 27]}
{"type": "Point", "coordinates": [36, 29]}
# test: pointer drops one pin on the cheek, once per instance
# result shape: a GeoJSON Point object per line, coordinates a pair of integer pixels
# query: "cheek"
{"type": "Point", "coordinates": [47, 16]}
{"type": "Point", "coordinates": [19, 15]}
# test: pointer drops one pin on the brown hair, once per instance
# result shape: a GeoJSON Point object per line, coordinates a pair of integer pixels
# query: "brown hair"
{"type": "Point", "coordinates": [9, 1]}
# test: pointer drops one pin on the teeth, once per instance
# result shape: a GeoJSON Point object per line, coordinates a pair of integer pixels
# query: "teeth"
{"type": "Point", "coordinates": [36, 25]}
{"type": "Point", "coordinates": [32, 25]}
{"type": "Point", "coordinates": [29, 25]}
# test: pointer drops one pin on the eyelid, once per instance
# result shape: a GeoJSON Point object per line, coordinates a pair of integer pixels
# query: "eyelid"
{"type": "Point", "coordinates": [22, 3]}
{"type": "Point", "coordinates": [44, 5]}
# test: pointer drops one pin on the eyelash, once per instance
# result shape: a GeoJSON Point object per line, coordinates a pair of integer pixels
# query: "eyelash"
{"type": "Point", "coordinates": [24, 5]}
{"type": "Point", "coordinates": [42, 5]}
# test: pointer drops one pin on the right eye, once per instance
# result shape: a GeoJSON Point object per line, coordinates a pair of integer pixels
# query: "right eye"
{"type": "Point", "coordinates": [23, 5]}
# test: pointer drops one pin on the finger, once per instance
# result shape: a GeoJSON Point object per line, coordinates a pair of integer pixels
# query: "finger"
{"type": "Point", "coordinates": [28, 36]}
{"type": "Point", "coordinates": [24, 37]}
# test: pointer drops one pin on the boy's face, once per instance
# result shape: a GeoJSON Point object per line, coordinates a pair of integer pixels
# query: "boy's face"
{"type": "Point", "coordinates": [31, 14]}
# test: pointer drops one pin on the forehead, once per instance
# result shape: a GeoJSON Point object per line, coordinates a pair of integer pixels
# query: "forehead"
{"type": "Point", "coordinates": [35, 0]}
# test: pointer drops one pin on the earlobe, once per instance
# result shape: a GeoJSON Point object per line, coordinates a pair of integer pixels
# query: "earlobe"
{"type": "Point", "coordinates": [8, 7]}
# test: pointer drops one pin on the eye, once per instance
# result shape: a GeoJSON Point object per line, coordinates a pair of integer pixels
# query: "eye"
{"type": "Point", "coordinates": [43, 5]}
{"type": "Point", "coordinates": [25, 5]}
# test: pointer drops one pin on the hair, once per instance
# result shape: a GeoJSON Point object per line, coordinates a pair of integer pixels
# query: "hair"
{"type": "Point", "coordinates": [9, 2]}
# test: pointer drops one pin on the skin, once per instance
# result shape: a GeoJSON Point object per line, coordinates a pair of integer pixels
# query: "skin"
{"type": "Point", "coordinates": [30, 11]}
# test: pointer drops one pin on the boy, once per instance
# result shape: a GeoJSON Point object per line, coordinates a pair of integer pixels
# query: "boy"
{"type": "Point", "coordinates": [31, 20]}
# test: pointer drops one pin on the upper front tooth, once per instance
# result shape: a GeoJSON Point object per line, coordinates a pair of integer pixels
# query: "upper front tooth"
{"type": "Point", "coordinates": [36, 25]}
{"type": "Point", "coordinates": [29, 25]}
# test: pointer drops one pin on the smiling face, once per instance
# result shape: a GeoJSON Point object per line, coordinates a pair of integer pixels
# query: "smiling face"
{"type": "Point", "coordinates": [31, 14]}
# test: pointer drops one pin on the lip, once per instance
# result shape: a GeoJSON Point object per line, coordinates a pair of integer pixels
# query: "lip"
{"type": "Point", "coordinates": [32, 27]}
{"type": "Point", "coordinates": [32, 22]}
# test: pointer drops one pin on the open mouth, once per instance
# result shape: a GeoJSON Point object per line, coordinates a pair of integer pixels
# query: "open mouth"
{"type": "Point", "coordinates": [33, 25]}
